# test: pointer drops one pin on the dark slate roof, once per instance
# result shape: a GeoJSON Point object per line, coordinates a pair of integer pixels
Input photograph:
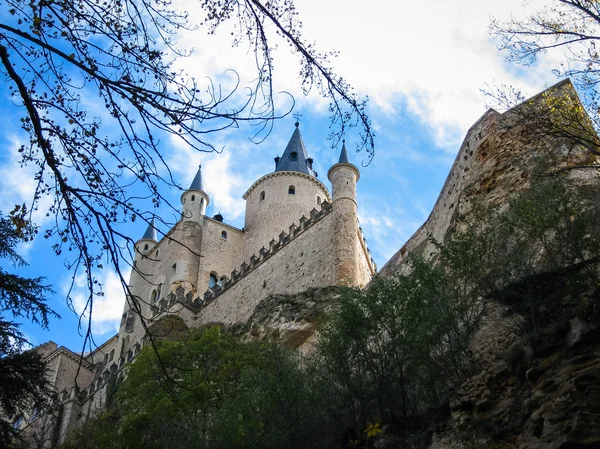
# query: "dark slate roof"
{"type": "Point", "coordinates": [150, 233]}
{"type": "Point", "coordinates": [197, 182]}
{"type": "Point", "coordinates": [300, 163]}
{"type": "Point", "coordinates": [343, 154]}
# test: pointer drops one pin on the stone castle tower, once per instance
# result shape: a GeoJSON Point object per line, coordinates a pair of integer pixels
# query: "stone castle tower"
{"type": "Point", "coordinates": [296, 236]}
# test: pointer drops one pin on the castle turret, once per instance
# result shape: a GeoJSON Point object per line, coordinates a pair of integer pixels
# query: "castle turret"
{"type": "Point", "coordinates": [140, 276]}
{"type": "Point", "coordinates": [184, 259]}
{"type": "Point", "coordinates": [144, 245]}
{"type": "Point", "coordinates": [346, 243]}
{"type": "Point", "coordinates": [279, 199]}
{"type": "Point", "coordinates": [195, 199]}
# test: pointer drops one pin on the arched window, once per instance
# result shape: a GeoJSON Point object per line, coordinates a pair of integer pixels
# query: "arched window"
{"type": "Point", "coordinates": [292, 190]}
{"type": "Point", "coordinates": [293, 156]}
{"type": "Point", "coordinates": [212, 280]}
{"type": "Point", "coordinates": [146, 247]}
{"type": "Point", "coordinates": [111, 356]}
{"type": "Point", "coordinates": [318, 200]}
{"type": "Point", "coordinates": [193, 197]}
{"type": "Point", "coordinates": [153, 297]}
{"type": "Point", "coordinates": [224, 235]}
{"type": "Point", "coordinates": [262, 195]}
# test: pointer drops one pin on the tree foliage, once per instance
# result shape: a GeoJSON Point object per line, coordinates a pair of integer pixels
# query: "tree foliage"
{"type": "Point", "coordinates": [103, 166]}
{"type": "Point", "coordinates": [570, 30]}
{"type": "Point", "coordinates": [23, 383]}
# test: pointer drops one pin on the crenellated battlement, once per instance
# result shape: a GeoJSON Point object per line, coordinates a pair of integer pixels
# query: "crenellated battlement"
{"type": "Point", "coordinates": [275, 245]}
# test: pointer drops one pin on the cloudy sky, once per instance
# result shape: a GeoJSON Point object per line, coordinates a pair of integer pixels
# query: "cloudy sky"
{"type": "Point", "coordinates": [422, 64]}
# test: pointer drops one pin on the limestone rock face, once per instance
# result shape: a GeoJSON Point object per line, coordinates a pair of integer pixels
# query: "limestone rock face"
{"type": "Point", "coordinates": [289, 319]}
{"type": "Point", "coordinates": [527, 396]}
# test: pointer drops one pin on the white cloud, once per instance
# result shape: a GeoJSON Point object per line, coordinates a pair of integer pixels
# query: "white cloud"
{"type": "Point", "coordinates": [107, 309]}
{"type": "Point", "coordinates": [435, 55]}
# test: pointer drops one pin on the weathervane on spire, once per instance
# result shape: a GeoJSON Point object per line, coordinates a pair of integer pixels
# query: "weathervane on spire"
{"type": "Point", "coordinates": [297, 117]}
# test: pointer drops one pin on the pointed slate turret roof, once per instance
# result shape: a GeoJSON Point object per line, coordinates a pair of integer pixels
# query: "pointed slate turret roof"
{"type": "Point", "coordinates": [343, 154]}
{"type": "Point", "coordinates": [295, 157]}
{"type": "Point", "coordinates": [197, 182]}
{"type": "Point", "coordinates": [150, 233]}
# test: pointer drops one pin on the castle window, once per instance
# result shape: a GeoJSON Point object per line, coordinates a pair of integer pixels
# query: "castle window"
{"type": "Point", "coordinates": [262, 195]}
{"type": "Point", "coordinates": [153, 297]}
{"type": "Point", "coordinates": [224, 235]}
{"type": "Point", "coordinates": [174, 268]}
{"type": "Point", "coordinates": [318, 200]}
{"type": "Point", "coordinates": [111, 356]}
{"type": "Point", "coordinates": [201, 201]}
{"type": "Point", "coordinates": [212, 280]}
{"type": "Point", "coordinates": [293, 156]}
{"type": "Point", "coordinates": [156, 255]}
{"type": "Point", "coordinates": [193, 197]}
{"type": "Point", "coordinates": [291, 190]}
{"type": "Point", "coordinates": [146, 247]}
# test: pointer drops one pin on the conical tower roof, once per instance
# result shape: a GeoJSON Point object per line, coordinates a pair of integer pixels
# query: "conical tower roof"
{"type": "Point", "coordinates": [295, 157]}
{"type": "Point", "coordinates": [197, 182]}
{"type": "Point", "coordinates": [343, 154]}
{"type": "Point", "coordinates": [150, 233]}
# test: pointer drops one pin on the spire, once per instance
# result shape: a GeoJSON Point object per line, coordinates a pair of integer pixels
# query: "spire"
{"type": "Point", "coordinates": [295, 157]}
{"type": "Point", "coordinates": [150, 233]}
{"type": "Point", "coordinates": [343, 154]}
{"type": "Point", "coordinates": [197, 182]}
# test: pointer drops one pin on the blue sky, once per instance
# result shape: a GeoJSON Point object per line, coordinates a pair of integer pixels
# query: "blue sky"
{"type": "Point", "coordinates": [422, 66]}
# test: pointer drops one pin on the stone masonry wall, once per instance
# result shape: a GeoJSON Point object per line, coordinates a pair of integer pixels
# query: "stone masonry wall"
{"type": "Point", "coordinates": [305, 262]}
{"type": "Point", "coordinates": [219, 255]}
{"type": "Point", "coordinates": [495, 161]}
{"type": "Point", "coordinates": [266, 218]}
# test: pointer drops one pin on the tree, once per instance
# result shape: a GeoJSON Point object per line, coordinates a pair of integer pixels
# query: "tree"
{"type": "Point", "coordinates": [55, 52]}
{"type": "Point", "coordinates": [573, 28]}
{"type": "Point", "coordinates": [23, 383]}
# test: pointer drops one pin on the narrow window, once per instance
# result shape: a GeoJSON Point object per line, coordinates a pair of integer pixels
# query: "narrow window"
{"type": "Point", "coordinates": [212, 280]}
{"type": "Point", "coordinates": [153, 297]}
{"type": "Point", "coordinates": [318, 200]}
{"type": "Point", "coordinates": [111, 356]}
{"type": "Point", "coordinates": [146, 247]}
{"type": "Point", "coordinates": [292, 190]}
{"type": "Point", "coordinates": [201, 201]}
{"type": "Point", "coordinates": [224, 235]}
{"type": "Point", "coordinates": [174, 268]}
{"type": "Point", "coordinates": [193, 197]}
{"type": "Point", "coordinates": [262, 195]}
{"type": "Point", "coordinates": [156, 253]}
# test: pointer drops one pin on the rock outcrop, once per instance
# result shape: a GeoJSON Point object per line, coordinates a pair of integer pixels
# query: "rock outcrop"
{"type": "Point", "coordinates": [527, 393]}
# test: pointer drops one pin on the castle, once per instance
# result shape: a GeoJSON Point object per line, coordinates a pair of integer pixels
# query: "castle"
{"type": "Point", "coordinates": [296, 237]}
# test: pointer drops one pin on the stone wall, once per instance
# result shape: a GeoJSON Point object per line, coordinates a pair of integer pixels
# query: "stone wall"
{"type": "Point", "coordinates": [267, 216]}
{"type": "Point", "coordinates": [220, 255]}
{"type": "Point", "coordinates": [306, 261]}
{"type": "Point", "coordinates": [495, 160]}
